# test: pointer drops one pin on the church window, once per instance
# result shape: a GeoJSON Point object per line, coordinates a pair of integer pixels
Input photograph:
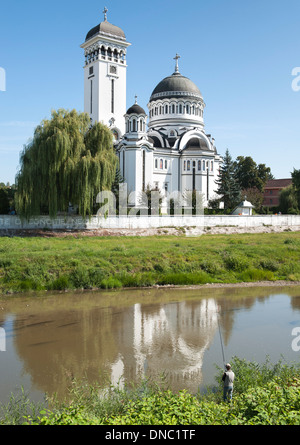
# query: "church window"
{"type": "Point", "coordinates": [188, 165]}
{"type": "Point", "coordinates": [91, 96]}
{"type": "Point", "coordinates": [109, 54]}
{"type": "Point", "coordinates": [112, 95]}
{"type": "Point", "coordinates": [156, 110]}
{"type": "Point", "coordinates": [203, 165]}
{"type": "Point", "coordinates": [103, 52]}
{"type": "Point", "coordinates": [172, 133]}
{"type": "Point", "coordinates": [116, 55]}
{"type": "Point", "coordinates": [170, 109]}
{"type": "Point", "coordinates": [166, 109]}
{"type": "Point", "coordinates": [160, 109]}
{"type": "Point", "coordinates": [91, 70]}
{"type": "Point", "coordinates": [156, 163]}
{"type": "Point", "coordinates": [161, 164]}
{"type": "Point", "coordinates": [212, 165]}
{"type": "Point", "coordinates": [199, 165]}
{"type": "Point", "coordinates": [141, 124]}
{"type": "Point", "coordinates": [173, 108]}
{"type": "Point", "coordinates": [184, 165]}
{"type": "Point", "coordinates": [180, 109]}
{"type": "Point", "coordinates": [134, 125]}
{"type": "Point", "coordinates": [188, 109]}
{"type": "Point", "coordinates": [123, 163]}
{"type": "Point", "coordinates": [166, 163]}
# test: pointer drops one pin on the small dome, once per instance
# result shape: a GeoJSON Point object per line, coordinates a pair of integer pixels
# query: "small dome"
{"type": "Point", "coordinates": [177, 86]}
{"type": "Point", "coordinates": [135, 109]}
{"type": "Point", "coordinates": [106, 28]}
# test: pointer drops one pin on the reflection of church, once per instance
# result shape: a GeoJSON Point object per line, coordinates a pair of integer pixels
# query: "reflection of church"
{"type": "Point", "coordinates": [174, 153]}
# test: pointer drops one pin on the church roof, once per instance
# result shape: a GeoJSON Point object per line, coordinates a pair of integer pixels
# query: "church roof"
{"type": "Point", "coordinates": [135, 109]}
{"type": "Point", "coordinates": [177, 86]}
{"type": "Point", "coordinates": [107, 29]}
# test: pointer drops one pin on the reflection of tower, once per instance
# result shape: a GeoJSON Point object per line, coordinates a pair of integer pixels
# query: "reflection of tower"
{"type": "Point", "coordinates": [105, 75]}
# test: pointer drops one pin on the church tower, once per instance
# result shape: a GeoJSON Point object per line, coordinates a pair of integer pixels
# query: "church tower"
{"type": "Point", "coordinates": [105, 69]}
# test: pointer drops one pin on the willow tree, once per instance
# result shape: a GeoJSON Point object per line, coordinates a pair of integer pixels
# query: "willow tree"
{"type": "Point", "coordinates": [67, 161]}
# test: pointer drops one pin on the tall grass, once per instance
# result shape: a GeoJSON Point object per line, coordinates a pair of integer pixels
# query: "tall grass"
{"type": "Point", "coordinates": [263, 394]}
{"type": "Point", "coordinates": [112, 262]}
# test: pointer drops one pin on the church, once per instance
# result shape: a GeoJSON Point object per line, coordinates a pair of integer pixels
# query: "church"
{"type": "Point", "coordinates": [167, 148]}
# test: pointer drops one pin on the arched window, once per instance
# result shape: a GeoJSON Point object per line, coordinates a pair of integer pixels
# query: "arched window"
{"type": "Point", "coordinates": [166, 109]}
{"type": "Point", "coordinates": [173, 108]}
{"type": "Point", "coordinates": [188, 165]}
{"type": "Point", "coordinates": [203, 165]}
{"type": "Point", "coordinates": [184, 165]}
{"type": "Point", "coordinates": [156, 163]}
{"type": "Point", "coordinates": [133, 125]}
{"type": "Point", "coordinates": [141, 124]}
{"type": "Point", "coordinates": [180, 109]}
{"type": "Point", "coordinates": [103, 52]}
{"type": "Point", "coordinates": [161, 164]}
{"type": "Point", "coordinates": [212, 165]}
{"type": "Point", "coordinates": [166, 164]}
{"type": "Point", "coordinates": [199, 165]}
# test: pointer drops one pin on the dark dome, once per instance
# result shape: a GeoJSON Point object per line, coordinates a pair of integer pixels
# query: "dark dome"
{"type": "Point", "coordinates": [175, 86]}
{"type": "Point", "coordinates": [135, 109]}
{"type": "Point", "coordinates": [196, 144]}
{"type": "Point", "coordinates": [107, 29]}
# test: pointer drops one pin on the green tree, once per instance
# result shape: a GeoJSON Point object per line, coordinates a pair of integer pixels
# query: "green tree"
{"type": "Point", "coordinates": [228, 185]}
{"type": "Point", "coordinates": [250, 175]}
{"type": "Point", "coordinates": [67, 161]}
{"type": "Point", "coordinates": [296, 184]}
{"type": "Point", "coordinates": [288, 200]}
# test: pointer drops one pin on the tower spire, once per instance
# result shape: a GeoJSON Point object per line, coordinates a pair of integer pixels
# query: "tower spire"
{"type": "Point", "coordinates": [176, 65]}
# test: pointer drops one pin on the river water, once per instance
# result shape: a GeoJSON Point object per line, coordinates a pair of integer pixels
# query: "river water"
{"type": "Point", "coordinates": [46, 340]}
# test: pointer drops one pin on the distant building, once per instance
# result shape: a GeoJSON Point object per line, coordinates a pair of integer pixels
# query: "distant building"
{"type": "Point", "coordinates": [272, 191]}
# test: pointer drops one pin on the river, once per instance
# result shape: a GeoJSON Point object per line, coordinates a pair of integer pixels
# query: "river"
{"type": "Point", "coordinates": [46, 340]}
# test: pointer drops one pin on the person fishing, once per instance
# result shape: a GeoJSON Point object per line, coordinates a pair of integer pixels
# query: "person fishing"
{"type": "Point", "coordinates": [228, 378]}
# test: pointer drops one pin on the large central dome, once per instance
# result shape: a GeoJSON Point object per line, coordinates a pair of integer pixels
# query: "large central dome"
{"type": "Point", "coordinates": [177, 86]}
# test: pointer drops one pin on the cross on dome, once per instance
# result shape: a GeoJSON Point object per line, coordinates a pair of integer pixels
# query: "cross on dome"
{"type": "Point", "coordinates": [105, 13]}
{"type": "Point", "coordinates": [177, 57]}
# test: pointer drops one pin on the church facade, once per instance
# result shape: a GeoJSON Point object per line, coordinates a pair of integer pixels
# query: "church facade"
{"type": "Point", "coordinates": [167, 149]}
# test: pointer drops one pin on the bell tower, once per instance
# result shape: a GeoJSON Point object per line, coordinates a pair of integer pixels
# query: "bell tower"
{"type": "Point", "coordinates": [105, 70]}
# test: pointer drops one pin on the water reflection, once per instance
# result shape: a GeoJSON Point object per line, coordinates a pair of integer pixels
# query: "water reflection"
{"type": "Point", "coordinates": [127, 334]}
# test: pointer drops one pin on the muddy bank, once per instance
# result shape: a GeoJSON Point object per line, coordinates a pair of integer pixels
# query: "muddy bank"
{"type": "Point", "coordinates": [162, 231]}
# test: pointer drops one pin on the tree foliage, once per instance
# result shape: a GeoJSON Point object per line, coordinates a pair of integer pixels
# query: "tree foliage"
{"type": "Point", "coordinates": [250, 175]}
{"type": "Point", "coordinates": [67, 161]}
{"type": "Point", "coordinates": [228, 186]}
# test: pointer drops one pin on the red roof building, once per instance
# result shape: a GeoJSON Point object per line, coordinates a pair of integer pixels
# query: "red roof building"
{"type": "Point", "coordinates": [272, 191]}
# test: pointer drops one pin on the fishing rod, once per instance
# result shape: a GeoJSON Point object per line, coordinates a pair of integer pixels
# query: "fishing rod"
{"type": "Point", "coordinates": [221, 341]}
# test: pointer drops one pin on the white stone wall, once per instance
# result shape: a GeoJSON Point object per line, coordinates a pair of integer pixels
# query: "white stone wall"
{"type": "Point", "coordinates": [124, 222]}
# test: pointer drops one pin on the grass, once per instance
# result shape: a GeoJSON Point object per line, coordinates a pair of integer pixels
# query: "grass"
{"type": "Point", "coordinates": [42, 263]}
{"type": "Point", "coordinates": [266, 394]}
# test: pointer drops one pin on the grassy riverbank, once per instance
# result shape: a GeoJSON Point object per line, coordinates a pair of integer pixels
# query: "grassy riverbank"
{"type": "Point", "coordinates": [50, 263]}
{"type": "Point", "coordinates": [264, 394]}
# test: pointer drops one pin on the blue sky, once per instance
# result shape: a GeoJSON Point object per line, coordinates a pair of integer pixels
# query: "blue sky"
{"type": "Point", "coordinates": [239, 53]}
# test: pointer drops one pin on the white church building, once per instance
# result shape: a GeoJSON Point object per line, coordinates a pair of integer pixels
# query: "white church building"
{"type": "Point", "coordinates": [168, 148]}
